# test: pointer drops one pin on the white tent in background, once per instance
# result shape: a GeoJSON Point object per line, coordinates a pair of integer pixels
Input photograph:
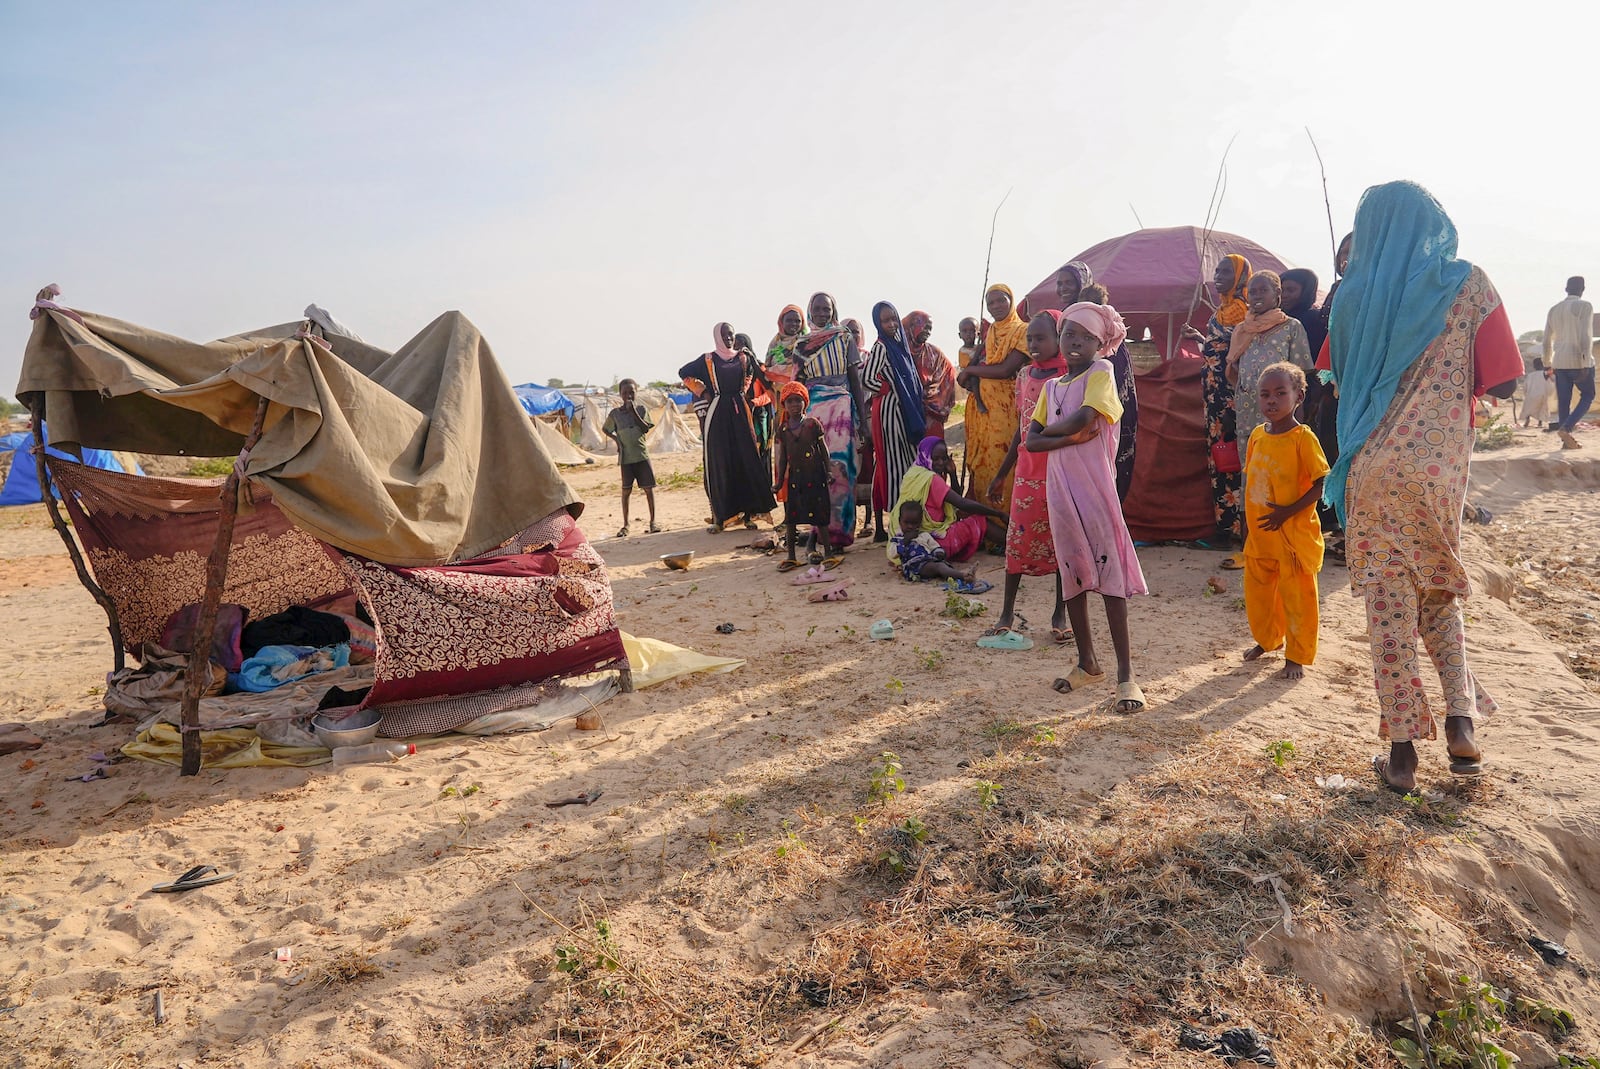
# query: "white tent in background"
{"type": "Point", "coordinates": [559, 446]}
{"type": "Point", "coordinates": [591, 417]}
{"type": "Point", "coordinates": [671, 433]}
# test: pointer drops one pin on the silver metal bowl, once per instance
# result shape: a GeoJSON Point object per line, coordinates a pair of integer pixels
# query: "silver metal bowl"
{"type": "Point", "coordinates": [678, 562]}
{"type": "Point", "coordinates": [357, 729]}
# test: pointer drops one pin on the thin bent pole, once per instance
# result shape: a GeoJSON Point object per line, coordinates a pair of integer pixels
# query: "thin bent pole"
{"type": "Point", "coordinates": [198, 673]}
{"type": "Point", "coordinates": [113, 621]}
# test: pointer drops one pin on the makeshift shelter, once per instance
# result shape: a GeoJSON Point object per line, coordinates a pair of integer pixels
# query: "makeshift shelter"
{"type": "Point", "coordinates": [1161, 279]}
{"type": "Point", "coordinates": [672, 433]}
{"type": "Point", "coordinates": [19, 475]}
{"type": "Point", "coordinates": [592, 417]}
{"type": "Point", "coordinates": [559, 446]}
{"type": "Point", "coordinates": [539, 400]}
{"type": "Point", "coordinates": [411, 481]}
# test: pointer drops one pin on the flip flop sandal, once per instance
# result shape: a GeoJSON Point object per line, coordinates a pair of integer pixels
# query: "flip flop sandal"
{"type": "Point", "coordinates": [837, 592]}
{"type": "Point", "coordinates": [830, 563]}
{"type": "Point", "coordinates": [1235, 563]}
{"type": "Point", "coordinates": [969, 586]}
{"type": "Point", "coordinates": [199, 876]}
{"type": "Point", "coordinates": [623, 533]}
{"type": "Point", "coordinates": [653, 529]}
{"type": "Point", "coordinates": [1061, 635]}
{"type": "Point", "coordinates": [788, 565]}
{"type": "Point", "coordinates": [715, 528]}
{"type": "Point", "coordinates": [1005, 640]}
{"type": "Point", "coordinates": [1076, 679]}
{"type": "Point", "coordinates": [1130, 697]}
{"type": "Point", "coordinates": [1380, 768]}
{"type": "Point", "coordinates": [1466, 766]}
{"type": "Point", "coordinates": [813, 575]}
{"type": "Point", "coordinates": [814, 558]}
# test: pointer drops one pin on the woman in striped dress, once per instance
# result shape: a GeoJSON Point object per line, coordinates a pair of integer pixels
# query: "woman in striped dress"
{"type": "Point", "coordinates": [889, 376]}
{"type": "Point", "coordinates": [828, 361]}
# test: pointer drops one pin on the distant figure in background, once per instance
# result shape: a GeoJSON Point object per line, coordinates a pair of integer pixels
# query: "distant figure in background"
{"type": "Point", "coordinates": [737, 483]}
{"type": "Point", "coordinates": [780, 350]}
{"type": "Point", "coordinates": [938, 377]}
{"type": "Point", "coordinates": [1569, 349]}
{"type": "Point", "coordinates": [763, 405]}
{"type": "Point", "coordinates": [865, 456]}
{"type": "Point", "coordinates": [1267, 336]}
{"type": "Point", "coordinates": [1417, 335]}
{"type": "Point", "coordinates": [992, 379]}
{"type": "Point", "coordinates": [1537, 391]}
{"type": "Point", "coordinates": [627, 424]}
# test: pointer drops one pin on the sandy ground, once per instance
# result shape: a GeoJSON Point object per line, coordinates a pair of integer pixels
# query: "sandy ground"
{"type": "Point", "coordinates": [735, 849]}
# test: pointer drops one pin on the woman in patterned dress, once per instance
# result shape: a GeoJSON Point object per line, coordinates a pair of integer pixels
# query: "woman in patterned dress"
{"type": "Point", "coordinates": [1417, 336]}
{"type": "Point", "coordinates": [938, 377]}
{"type": "Point", "coordinates": [1268, 336]}
{"type": "Point", "coordinates": [1233, 275]}
{"type": "Point", "coordinates": [828, 361]}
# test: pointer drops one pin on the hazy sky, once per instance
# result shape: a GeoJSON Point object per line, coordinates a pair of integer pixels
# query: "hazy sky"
{"type": "Point", "coordinates": [596, 185]}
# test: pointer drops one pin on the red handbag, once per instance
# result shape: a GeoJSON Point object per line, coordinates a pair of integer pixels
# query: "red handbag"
{"type": "Point", "coordinates": [1225, 458]}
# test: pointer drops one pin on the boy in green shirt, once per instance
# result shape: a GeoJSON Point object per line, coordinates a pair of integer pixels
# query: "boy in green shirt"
{"type": "Point", "coordinates": [627, 425]}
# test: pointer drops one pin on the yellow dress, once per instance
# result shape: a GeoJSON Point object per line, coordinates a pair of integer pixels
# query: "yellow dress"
{"type": "Point", "coordinates": [989, 434]}
{"type": "Point", "coordinates": [1280, 567]}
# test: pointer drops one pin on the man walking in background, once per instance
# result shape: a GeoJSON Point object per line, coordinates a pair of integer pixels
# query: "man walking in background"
{"type": "Point", "coordinates": [1568, 349]}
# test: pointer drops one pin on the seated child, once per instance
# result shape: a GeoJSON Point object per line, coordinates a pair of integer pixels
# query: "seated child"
{"type": "Point", "coordinates": [919, 553]}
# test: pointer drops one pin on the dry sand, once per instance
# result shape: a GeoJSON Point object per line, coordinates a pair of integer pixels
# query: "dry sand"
{"type": "Point", "coordinates": [1126, 878]}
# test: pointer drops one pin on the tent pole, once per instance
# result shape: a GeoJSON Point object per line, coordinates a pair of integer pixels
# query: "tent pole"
{"type": "Point", "coordinates": [198, 674]}
{"type": "Point", "coordinates": [113, 621]}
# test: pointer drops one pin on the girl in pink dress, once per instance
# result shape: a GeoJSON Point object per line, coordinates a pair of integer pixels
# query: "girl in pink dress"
{"type": "Point", "coordinates": [1076, 424]}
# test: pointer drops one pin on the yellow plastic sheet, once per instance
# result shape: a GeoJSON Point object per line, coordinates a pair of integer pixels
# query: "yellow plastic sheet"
{"type": "Point", "coordinates": [228, 748]}
{"type": "Point", "coordinates": [655, 662]}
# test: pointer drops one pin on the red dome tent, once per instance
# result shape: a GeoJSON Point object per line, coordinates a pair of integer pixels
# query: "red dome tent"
{"type": "Point", "coordinates": [1160, 279]}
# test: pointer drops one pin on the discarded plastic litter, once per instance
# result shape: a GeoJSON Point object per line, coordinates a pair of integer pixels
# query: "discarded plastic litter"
{"type": "Point", "coordinates": [882, 631]}
{"type": "Point", "coordinates": [373, 751]}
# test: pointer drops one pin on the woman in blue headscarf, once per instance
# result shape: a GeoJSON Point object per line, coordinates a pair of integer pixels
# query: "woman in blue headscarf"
{"type": "Point", "coordinates": [889, 376]}
{"type": "Point", "coordinates": [1417, 336]}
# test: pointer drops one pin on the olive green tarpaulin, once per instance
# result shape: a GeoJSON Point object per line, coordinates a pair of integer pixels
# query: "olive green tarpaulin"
{"type": "Point", "coordinates": [418, 457]}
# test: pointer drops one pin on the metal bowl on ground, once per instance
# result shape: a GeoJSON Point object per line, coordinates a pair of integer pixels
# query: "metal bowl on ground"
{"type": "Point", "coordinates": [357, 729]}
{"type": "Point", "coordinates": [678, 562]}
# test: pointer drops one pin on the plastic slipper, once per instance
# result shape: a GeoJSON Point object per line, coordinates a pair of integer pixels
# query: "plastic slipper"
{"type": "Point", "coordinates": [653, 529]}
{"type": "Point", "coordinates": [1077, 679]}
{"type": "Point", "coordinates": [1466, 766]}
{"type": "Point", "coordinates": [1061, 635]}
{"type": "Point", "coordinates": [969, 586]}
{"type": "Point", "coordinates": [836, 592]}
{"type": "Point", "coordinates": [813, 558]}
{"type": "Point", "coordinates": [623, 533]}
{"type": "Point", "coordinates": [788, 565]}
{"type": "Point", "coordinates": [1130, 697]}
{"type": "Point", "coordinates": [199, 876]}
{"type": "Point", "coordinates": [881, 630]}
{"type": "Point", "coordinates": [1380, 768]}
{"type": "Point", "coordinates": [1006, 640]}
{"type": "Point", "coordinates": [1234, 563]}
{"type": "Point", "coordinates": [750, 525]}
{"type": "Point", "coordinates": [830, 563]}
{"type": "Point", "coordinates": [815, 574]}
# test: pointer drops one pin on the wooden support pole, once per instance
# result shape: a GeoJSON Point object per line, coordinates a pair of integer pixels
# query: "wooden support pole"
{"type": "Point", "coordinates": [199, 671]}
{"type": "Point", "coordinates": [113, 621]}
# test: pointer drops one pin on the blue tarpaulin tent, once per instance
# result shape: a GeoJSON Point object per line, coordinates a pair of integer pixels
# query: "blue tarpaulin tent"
{"type": "Point", "coordinates": [22, 481]}
{"type": "Point", "coordinates": [543, 400]}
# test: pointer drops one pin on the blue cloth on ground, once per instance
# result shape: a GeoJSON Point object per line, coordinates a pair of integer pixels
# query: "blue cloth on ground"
{"type": "Point", "coordinates": [273, 666]}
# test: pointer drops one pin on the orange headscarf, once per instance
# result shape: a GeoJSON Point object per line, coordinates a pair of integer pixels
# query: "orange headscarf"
{"type": "Point", "coordinates": [1234, 308]}
{"type": "Point", "coordinates": [1008, 334]}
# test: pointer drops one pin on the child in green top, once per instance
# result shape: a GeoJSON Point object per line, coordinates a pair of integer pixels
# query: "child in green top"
{"type": "Point", "coordinates": [627, 425]}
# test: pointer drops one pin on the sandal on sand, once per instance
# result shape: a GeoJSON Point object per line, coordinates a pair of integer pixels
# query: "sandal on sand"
{"type": "Point", "coordinates": [1380, 767]}
{"type": "Point", "coordinates": [814, 557]}
{"type": "Point", "coordinates": [1077, 679]}
{"type": "Point", "coordinates": [835, 592]}
{"type": "Point", "coordinates": [1234, 563]}
{"type": "Point", "coordinates": [1005, 639]}
{"type": "Point", "coordinates": [1130, 697]}
{"type": "Point", "coordinates": [969, 586]}
{"type": "Point", "coordinates": [653, 529]}
{"type": "Point", "coordinates": [622, 533]}
{"type": "Point", "coordinates": [788, 565]}
{"type": "Point", "coordinates": [1061, 635]}
{"type": "Point", "coordinates": [199, 876]}
{"type": "Point", "coordinates": [1466, 766]}
{"type": "Point", "coordinates": [830, 563]}
{"type": "Point", "coordinates": [816, 574]}
{"type": "Point", "coordinates": [751, 525]}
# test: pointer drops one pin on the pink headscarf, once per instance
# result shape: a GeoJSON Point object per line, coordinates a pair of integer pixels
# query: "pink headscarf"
{"type": "Point", "coordinates": [723, 351]}
{"type": "Point", "coordinates": [1102, 321]}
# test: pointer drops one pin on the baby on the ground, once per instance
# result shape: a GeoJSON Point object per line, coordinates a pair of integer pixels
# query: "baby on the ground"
{"type": "Point", "coordinates": [921, 556]}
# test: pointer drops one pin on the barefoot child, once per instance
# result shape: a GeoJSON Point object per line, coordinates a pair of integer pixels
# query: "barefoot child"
{"type": "Point", "coordinates": [1283, 472]}
{"type": "Point", "coordinates": [627, 425]}
{"type": "Point", "coordinates": [921, 556]}
{"type": "Point", "coordinates": [1076, 423]}
{"type": "Point", "coordinates": [800, 474]}
{"type": "Point", "coordinates": [1030, 550]}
